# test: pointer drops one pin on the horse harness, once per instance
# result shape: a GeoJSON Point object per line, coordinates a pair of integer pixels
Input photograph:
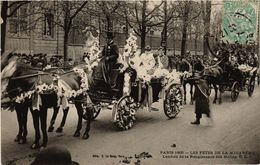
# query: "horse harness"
{"type": "Point", "coordinates": [39, 79]}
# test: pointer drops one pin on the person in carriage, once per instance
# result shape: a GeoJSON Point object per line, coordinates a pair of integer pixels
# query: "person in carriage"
{"type": "Point", "coordinates": [162, 57]}
{"type": "Point", "coordinates": [109, 58]}
{"type": "Point", "coordinates": [148, 62]}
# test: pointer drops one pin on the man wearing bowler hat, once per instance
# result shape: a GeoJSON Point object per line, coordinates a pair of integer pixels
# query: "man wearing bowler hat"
{"type": "Point", "coordinates": [110, 54]}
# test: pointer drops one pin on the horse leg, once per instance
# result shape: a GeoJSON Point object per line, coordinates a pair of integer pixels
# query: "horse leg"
{"type": "Point", "coordinates": [216, 93]}
{"type": "Point", "coordinates": [220, 94]}
{"type": "Point", "coordinates": [65, 113]}
{"type": "Point", "coordinates": [54, 116]}
{"type": "Point", "coordinates": [184, 93]}
{"type": "Point", "coordinates": [191, 94]}
{"type": "Point", "coordinates": [36, 124]}
{"type": "Point", "coordinates": [24, 124]}
{"type": "Point", "coordinates": [80, 115]}
{"type": "Point", "coordinates": [43, 119]}
{"type": "Point", "coordinates": [18, 110]}
{"type": "Point", "coordinates": [89, 113]}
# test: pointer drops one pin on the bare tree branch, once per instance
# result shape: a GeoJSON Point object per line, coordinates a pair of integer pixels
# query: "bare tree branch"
{"type": "Point", "coordinates": [154, 10]}
{"type": "Point", "coordinates": [78, 10]}
{"type": "Point", "coordinates": [136, 32]}
{"type": "Point", "coordinates": [17, 7]}
{"type": "Point", "coordinates": [115, 7]}
{"type": "Point", "coordinates": [16, 2]}
{"type": "Point", "coordinates": [137, 18]}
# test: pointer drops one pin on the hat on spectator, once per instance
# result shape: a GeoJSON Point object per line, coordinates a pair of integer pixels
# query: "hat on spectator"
{"type": "Point", "coordinates": [56, 155]}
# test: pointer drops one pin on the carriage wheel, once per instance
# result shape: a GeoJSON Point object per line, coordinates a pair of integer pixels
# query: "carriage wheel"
{"type": "Point", "coordinates": [251, 87]}
{"type": "Point", "coordinates": [234, 91]}
{"type": "Point", "coordinates": [96, 110]}
{"type": "Point", "coordinates": [125, 113]}
{"type": "Point", "coordinates": [172, 102]}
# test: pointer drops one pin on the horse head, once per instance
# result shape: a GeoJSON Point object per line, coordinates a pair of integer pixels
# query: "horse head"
{"type": "Point", "coordinates": [212, 71]}
{"type": "Point", "coordinates": [91, 48]}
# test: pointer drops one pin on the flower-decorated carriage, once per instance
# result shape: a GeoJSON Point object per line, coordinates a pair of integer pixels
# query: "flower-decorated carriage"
{"type": "Point", "coordinates": [139, 82]}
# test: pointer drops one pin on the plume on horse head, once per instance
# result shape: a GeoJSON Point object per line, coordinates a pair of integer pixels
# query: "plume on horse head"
{"type": "Point", "coordinates": [91, 39]}
{"type": "Point", "coordinates": [130, 56]}
{"type": "Point", "coordinates": [91, 47]}
{"type": "Point", "coordinates": [10, 66]}
{"type": "Point", "coordinates": [6, 56]}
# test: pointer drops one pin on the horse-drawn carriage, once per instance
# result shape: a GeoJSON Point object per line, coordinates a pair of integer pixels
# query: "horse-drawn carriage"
{"type": "Point", "coordinates": [231, 81]}
{"type": "Point", "coordinates": [236, 76]}
{"type": "Point", "coordinates": [127, 97]}
{"type": "Point", "coordinates": [131, 89]}
{"type": "Point", "coordinates": [37, 90]}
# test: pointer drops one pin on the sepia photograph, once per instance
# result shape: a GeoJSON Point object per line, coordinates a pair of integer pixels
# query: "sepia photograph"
{"type": "Point", "coordinates": [130, 82]}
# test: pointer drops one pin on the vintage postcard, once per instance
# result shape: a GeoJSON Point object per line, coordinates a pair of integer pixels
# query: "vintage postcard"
{"type": "Point", "coordinates": [140, 82]}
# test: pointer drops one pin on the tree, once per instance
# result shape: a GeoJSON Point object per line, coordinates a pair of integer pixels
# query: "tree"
{"type": "Point", "coordinates": [168, 18]}
{"type": "Point", "coordinates": [108, 9]}
{"type": "Point", "coordinates": [142, 18]}
{"type": "Point", "coordinates": [67, 12]}
{"type": "Point", "coordinates": [5, 15]}
{"type": "Point", "coordinates": [103, 12]}
{"type": "Point", "coordinates": [206, 12]}
{"type": "Point", "coordinates": [184, 28]}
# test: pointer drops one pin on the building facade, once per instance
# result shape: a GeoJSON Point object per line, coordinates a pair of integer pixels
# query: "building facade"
{"type": "Point", "coordinates": [37, 33]}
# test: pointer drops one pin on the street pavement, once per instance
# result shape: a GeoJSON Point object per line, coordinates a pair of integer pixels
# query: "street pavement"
{"type": "Point", "coordinates": [233, 137]}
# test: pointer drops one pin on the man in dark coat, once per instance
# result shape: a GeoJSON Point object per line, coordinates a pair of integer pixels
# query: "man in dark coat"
{"type": "Point", "coordinates": [201, 96]}
{"type": "Point", "coordinates": [110, 54]}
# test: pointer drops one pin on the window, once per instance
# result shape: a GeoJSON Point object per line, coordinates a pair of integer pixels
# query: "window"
{"type": "Point", "coordinates": [124, 29]}
{"type": "Point", "coordinates": [18, 22]}
{"type": "Point", "coordinates": [104, 25]}
{"type": "Point", "coordinates": [151, 32]}
{"type": "Point", "coordinates": [48, 25]}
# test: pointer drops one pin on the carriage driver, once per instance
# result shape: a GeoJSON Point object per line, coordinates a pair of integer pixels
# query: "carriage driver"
{"type": "Point", "coordinates": [110, 54]}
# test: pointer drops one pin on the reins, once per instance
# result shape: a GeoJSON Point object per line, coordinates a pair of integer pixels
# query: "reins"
{"type": "Point", "coordinates": [212, 66]}
{"type": "Point", "coordinates": [30, 75]}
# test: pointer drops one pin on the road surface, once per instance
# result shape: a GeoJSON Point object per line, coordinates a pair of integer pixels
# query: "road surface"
{"type": "Point", "coordinates": [234, 137]}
